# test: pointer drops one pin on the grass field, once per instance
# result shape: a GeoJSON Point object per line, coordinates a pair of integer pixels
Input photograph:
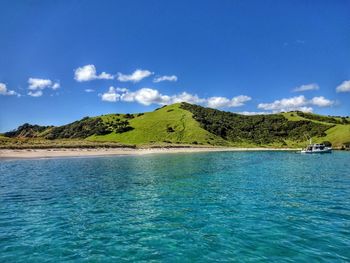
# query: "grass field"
{"type": "Point", "coordinates": [169, 124]}
{"type": "Point", "coordinates": [39, 143]}
{"type": "Point", "coordinates": [338, 135]}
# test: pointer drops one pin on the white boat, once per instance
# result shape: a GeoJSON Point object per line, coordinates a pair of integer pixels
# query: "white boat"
{"type": "Point", "coordinates": [317, 148]}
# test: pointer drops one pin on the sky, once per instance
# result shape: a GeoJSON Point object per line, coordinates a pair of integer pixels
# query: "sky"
{"type": "Point", "coordinates": [63, 60]}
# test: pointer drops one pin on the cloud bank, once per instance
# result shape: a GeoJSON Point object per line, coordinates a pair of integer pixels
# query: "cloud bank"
{"type": "Point", "coordinates": [296, 103]}
{"type": "Point", "coordinates": [223, 102]}
{"type": "Point", "coordinates": [148, 96]}
{"type": "Point", "coordinates": [253, 112]}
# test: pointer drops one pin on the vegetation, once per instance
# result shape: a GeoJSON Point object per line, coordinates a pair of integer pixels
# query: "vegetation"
{"type": "Point", "coordinates": [327, 143]}
{"type": "Point", "coordinates": [329, 119]}
{"type": "Point", "coordinates": [164, 126]}
{"type": "Point", "coordinates": [337, 134]}
{"type": "Point", "coordinates": [257, 129]}
{"type": "Point", "coordinates": [27, 131]}
{"type": "Point", "coordinates": [184, 124]}
{"type": "Point", "coordinates": [76, 130]}
{"type": "Point", "coordinates": [79, 129]}
{"type": "Point", "coordinates": [40, 143]}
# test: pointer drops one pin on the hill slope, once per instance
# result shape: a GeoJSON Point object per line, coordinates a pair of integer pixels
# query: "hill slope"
{"type": "Point", "coordinates": [279, 130]}
{"type": "Point", "coordinates": [170, 124]}
{"type": "Point", "coordinates": [338, 134]}
{"type": "Point", "coordinates": [184, 123]}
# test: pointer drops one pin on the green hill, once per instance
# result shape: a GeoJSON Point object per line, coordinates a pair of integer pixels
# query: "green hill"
{"type": "Point", "coordinates": [338, 135]}
{"type": "Point", "coordinates": [170, 124]}
{"type": "Point", "coordinates": [187, 124]}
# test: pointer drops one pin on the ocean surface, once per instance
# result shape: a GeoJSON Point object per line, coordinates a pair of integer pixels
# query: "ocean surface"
{"type": "Point", "coordinates": [189, 207]}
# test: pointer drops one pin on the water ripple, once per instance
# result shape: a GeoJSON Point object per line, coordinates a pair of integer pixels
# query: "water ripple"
{"type": "Point", "coordinates": [255, 207]}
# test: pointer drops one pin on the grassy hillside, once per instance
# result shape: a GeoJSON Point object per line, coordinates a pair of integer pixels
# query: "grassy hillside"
{"type": "Point", "coordinates": [337, 134]}
{"type": "Point", "coordinates": [169, 124]}
{"type": "Point", "coordinates": [260, 130]}
{"type": "Point", "coordinates": [186, 124]}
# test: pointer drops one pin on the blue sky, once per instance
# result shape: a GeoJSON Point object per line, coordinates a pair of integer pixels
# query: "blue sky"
{"type": "Point", "coordinates": [63, 60]}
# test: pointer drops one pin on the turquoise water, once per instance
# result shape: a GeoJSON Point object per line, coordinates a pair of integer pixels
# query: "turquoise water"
{"type": "Point", "coordinates": [226, 206]}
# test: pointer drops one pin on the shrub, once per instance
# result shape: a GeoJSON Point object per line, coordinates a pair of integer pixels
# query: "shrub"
{"type": "Point", "coordinates": [129, 116]}
{"type": "Point", "coordinates": [327, 143]}
{"type": "Point", "coordinates": [258, 129]}
{"type": "Point", "coordinates": [170, 129]}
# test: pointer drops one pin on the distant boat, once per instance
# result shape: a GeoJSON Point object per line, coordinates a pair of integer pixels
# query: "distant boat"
{"type": "Point", "coordinates": [317, 148]}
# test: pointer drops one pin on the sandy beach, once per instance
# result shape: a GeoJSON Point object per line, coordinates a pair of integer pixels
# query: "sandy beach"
{"type": "Point", "coordinates": [51, 153]}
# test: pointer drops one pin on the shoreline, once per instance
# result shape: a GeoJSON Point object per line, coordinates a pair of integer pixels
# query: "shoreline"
{"type": "Point", "coordinates": [95, 152]}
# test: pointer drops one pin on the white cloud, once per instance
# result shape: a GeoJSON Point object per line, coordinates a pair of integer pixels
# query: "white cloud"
{"type": "Point", "coordinates": [56, 86]}
{"type": "Point", "coordinates": [344, 86]}
{"type": "Point", "coordinates": [305, 109]}
{"type": "Point", "coordinates": [35, 83]}
{"type": "Point", "coordinates": [239, 100]}
{"type": "Point", "coordinates": [88, 72]}
{"type": "Point", "coordinates": [296, 103]}
{"type": "Point", "coordinates": [165, 78]}
{"type": "Point", "coordinates": [105, 75]}
{"type": "Point", "coordinates": [122, 90]}
{"type": "Point", "coordinates": [85, 73]}
{"type": "Point", "coordinates": [321, 101]}
{"type": "Point", "coordinates": [312, 86]}
{"type": "Point", "coordinates": [284, 104]}
{"type": "Point", "coordinates": [37, 93]}
{"type": "Point", "coordinates": [111, 95]}
{"type": "Point", "coordinates": [40, 84]}
{"type": "Point", "coordinates": [218, 102]}
{"type": "Point", "coordinates": [4, 91]}
{"type": "Point", "coordinates": [187, 97]}
{"type": "Point", "coordinates": [89, 90]}
{"type": "Point", "coordinates": [36, 86]}
{"type": "Point", "coordinates": [148, 96]}
{"type": "Point", "coordinates": [223, 102]}
{"type": "Point", "coordinates": [136, 76]}
{"type": "Point", "coordinates": [253, 112]}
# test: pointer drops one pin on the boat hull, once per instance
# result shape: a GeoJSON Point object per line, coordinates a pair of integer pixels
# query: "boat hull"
{"type": "Point", "coordinates": [317, 151]}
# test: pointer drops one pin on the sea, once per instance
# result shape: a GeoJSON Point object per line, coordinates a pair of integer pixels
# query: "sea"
{"type": "Point", "coordinates": [178, 207]}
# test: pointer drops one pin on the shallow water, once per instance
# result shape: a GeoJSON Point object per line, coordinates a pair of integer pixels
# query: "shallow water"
{"type": "Point", "coordinates": [224, 206]}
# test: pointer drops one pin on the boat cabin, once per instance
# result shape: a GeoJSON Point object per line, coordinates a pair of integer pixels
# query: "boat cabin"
{"type": "Point", "coordinates": [315, 147]}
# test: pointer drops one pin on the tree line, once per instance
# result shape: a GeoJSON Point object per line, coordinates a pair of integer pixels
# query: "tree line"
{"type": "Point", "coordinates": [258, 129]}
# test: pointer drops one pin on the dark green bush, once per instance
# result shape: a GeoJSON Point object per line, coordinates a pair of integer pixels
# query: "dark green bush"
{"type": "Point", "coordinates": [258, 129]}
{"type": "Point", "coordinates": [327, 143]}
{"type": "Point", "coordinates": [170, 129]}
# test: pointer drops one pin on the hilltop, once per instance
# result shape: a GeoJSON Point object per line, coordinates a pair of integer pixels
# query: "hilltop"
{"type": "Point", "coordinates": [187, 124]}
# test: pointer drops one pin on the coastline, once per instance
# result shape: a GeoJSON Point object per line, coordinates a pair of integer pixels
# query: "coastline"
{"type": "Point", "coordinates": [91, 152]}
